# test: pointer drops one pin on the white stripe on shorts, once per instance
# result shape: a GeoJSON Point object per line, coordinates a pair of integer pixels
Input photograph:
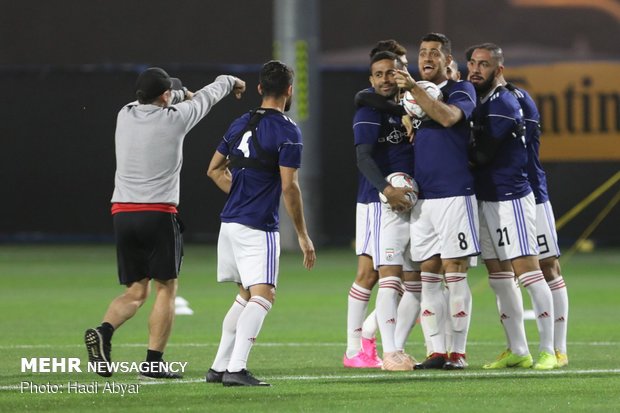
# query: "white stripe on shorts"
{"type": "Point", "coordinates": [472, 223]}
{"type": "Point", "coordinates": [521, 226]}
{"type": "Point", "coordinates": [270, 271]}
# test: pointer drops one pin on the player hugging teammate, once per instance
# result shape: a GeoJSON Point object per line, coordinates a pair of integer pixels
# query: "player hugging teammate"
{"type": "Point", "coordinates": [476, 155]}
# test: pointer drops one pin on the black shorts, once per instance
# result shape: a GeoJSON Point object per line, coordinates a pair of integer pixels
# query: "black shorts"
{"type": "Point", "coordinates": [149, 244]}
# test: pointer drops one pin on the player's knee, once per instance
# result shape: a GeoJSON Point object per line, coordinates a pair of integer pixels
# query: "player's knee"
{"type": "Point", "coordinates": [167, 287]}
{"type": "Point", "coordinates": [550, 268]}
{"type": "Point", "coordinates": [265, 291]}
{"type": "Point", "coordinates": [137, 295]}
{"type": "Point", "coordinates": [271, 295]}
{"type": "Point", "coordinates": [367, 279]}
{"type": "Point", "coordinates": [456, 265]}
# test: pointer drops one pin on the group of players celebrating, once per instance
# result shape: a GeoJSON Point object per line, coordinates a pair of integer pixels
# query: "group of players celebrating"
{"type": "Point", "coordinates": [482, 193]}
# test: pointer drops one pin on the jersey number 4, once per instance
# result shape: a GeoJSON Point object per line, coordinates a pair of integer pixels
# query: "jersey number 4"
{"type": "Point", "coordinates": [244, 144]}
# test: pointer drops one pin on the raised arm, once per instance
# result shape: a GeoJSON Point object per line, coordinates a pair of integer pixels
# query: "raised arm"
{"type": "Point", "coordinates": [445, 115]}
{"type": "Point", "coordinates": [203, 100]}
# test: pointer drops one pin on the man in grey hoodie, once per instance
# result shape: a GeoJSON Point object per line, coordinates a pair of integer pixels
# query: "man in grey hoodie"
{"type": "Point", "coordinates": [149, 156]}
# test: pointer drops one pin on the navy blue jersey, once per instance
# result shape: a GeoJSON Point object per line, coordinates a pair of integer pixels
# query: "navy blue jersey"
{"type": "Point", "coordinates": [392, 151]}
{"type": "Point", "coordinates": [254, 197]}
{"type": "Point", "coordinates": [535, 172]}
{"type": "Point", "coordinates": [441, 161]}
{"type": "Point", "coordinates": [499, 116]}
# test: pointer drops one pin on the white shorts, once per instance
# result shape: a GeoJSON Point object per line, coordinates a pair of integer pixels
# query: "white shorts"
{"type": "Point", "coordinates": [546, 232]}
{"type": "Point", "coordinates": [393, 237]}
{"type": "Point", "coordinates": [508, 228]}
{"type": "Point", "coordinates": [367, 225]}
{"type": "Point", "coordinates": [247, 256]}
{"type": "Point", "coordinates": [447, 227]}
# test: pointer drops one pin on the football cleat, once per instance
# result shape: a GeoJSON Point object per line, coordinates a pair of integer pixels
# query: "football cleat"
{"type": "Point", "coordinates": [214, 376]}
{"type": "Point", "coordinates": [98, 352]}
{"type": "Point", "coordinates": [149, 371]}
{"type": "Point", "coordinates": [397, 361]}
{"type": "Point", "coordinates": [434, 361]}
{"type": "Point", "coordinates": [546, 361]}
{"type": "Point", "coordinates": [509, 359]}
{"type": "Point", "coordinates": [562, 358]}
{"type": "Point", "coordinates": [361, 361]}
{"type": "Point", "coordinates": [241, 378]}
{"type": "Point", "coordinates": [456, 361]}
{"type": "Point", "coordinates": [369, 346]}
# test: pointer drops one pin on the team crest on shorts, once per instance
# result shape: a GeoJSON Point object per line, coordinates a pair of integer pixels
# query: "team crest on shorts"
{"type": "Point", "coordinates": [389, 254]}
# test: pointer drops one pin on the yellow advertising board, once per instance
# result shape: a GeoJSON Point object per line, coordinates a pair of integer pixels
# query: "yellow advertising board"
{"type": "Point", "coordinates": [579, 105]}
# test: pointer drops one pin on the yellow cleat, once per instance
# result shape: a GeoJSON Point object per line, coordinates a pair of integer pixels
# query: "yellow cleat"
{"type": "Point", "coordinates": [546, 361]}
{"type": "Point", "coordinates": [562, 358]}
{"type": "Point", "coordinates": [508, 359]}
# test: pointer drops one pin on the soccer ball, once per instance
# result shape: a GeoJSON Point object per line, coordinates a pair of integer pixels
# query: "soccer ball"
{"type": "Point", "coordinates": [411, 106]}
{"type": "Point", "coordinates": [402, 180]}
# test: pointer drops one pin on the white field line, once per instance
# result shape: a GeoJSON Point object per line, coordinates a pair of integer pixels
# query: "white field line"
{"type": "Point", "coordinates": [306, 344]}
{"type": "Point", "coordinates": [396, 376]}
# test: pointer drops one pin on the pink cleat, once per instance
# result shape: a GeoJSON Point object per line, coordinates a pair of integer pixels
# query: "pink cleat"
{"type": "Point", "coordinates": [369, 347]}
{"type": "Point", "coordinates": [360, 361]}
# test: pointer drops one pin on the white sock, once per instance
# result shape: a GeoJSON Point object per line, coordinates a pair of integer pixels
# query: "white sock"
{"type": "Point", "coordinates": [229, 328]}
{"type": "Point", "coordinates": [560, 311]}
{"type": "Point", "coordinates": [370, 327]}
{"type": "Point", "coordinates": [387, 307]}
{"type": "Point", "coordinates": [510, 308]}
{"type": "Point", "coordinates": [407, 313]}
{"type": "Point", "coordinates": [542, 301]}
{"type": "Point", "coordinates": [448, 322]}
{"type": "Point", "coordinates": [447, 327]}
{"type": "Point", "coordinates": [432, 310]}
{"type": "Point", "coordinates": [460, 309]}
{"type": "Point", "coordinates": [248, 327]}
{"type": "Point", "coordinates": [356, 311]}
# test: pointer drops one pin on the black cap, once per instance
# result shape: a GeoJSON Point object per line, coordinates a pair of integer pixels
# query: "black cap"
{"type": "Point", "coordinates": [153, 82]}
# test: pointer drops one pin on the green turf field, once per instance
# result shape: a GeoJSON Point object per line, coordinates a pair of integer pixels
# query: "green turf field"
{"type": "Point", "coordinates": [50, 295]}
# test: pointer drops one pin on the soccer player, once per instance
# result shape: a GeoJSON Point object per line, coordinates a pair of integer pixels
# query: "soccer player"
{"type": "Point", "coordinates": [545, 221]}
{"type": "Point", "coordinates": [368, 97]}
{"type": "Point", "coordinates": [409, 305]}
{"type": "Point", "coordinates": [256, 162]}
{"type": "Point", "coordinates": [149, 155]}
{"type": "Point", "coordinates": [382, 148]}
{"type": "Point", "coordinates": [444, 222]}
{"type": "Point", "coordinates": [391, 45]}
{"type": "Point", "coordinates": [453, 71]}
{"type": "Point", "coordinates": [507, 210]}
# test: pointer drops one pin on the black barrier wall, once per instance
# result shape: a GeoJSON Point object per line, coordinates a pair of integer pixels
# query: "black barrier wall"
{"type": "Point", "coordinates": [57, 158]}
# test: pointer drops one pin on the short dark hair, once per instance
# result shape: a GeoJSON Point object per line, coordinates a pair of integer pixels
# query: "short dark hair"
{"type": "Point", "coordinates": [384, 55]}
{"type": "Point", "coordinates": [446, 44]}
{"type": "Point", "coordinates": [389, 45]}
{"type": "Point", "coordinates": [275, 77]}
{"type": "Point", "coordinates": [496, 52]}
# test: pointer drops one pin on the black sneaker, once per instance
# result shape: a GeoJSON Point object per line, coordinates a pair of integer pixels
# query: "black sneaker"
{"type": "Point", "coordinates": [456, 361]}
{"type": "Point", "coordinates": [214, 376]}
{"type": "Point", "coordinates": [241, 378]}
{"type": "Point", "coordinates": [98, 352]}
{"type": "Point", "coordinates": [156, 370]}
{"type": "Point", "coordinates": [434, 361]}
